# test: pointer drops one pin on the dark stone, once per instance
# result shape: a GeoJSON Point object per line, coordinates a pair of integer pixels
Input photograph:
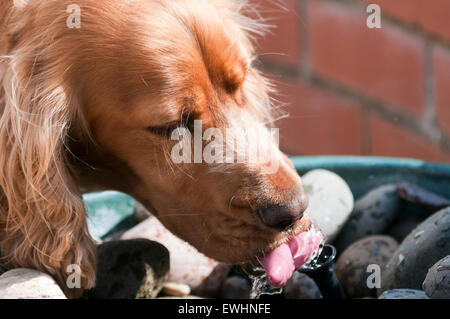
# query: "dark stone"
{"type": "Point", "coordinates": [422, 248]}
{"type": "Point", "coordinates": [403, 226]}
{"type": "Point", "coordinates": [210, 286]}
{"type": "Point", "coordinates": [428, 201]}
{"type": "Point", "coordinates": [372, 215]}
{"type": "Point", "coordinates": [437, 282]}
{"type": "Point", "coordinates": [403, 294]}
{"type": "Point", "coordinates": [235, 287]}
{"type": "Point", "coordinates": [129, 269]}
{"type": "Point", "coordinates": [352, 265]}
{"type": "Point", "coordinates": [300, 286]}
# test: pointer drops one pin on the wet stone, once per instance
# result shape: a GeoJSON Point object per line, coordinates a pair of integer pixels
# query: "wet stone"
{"type": "Point", "coordinates": [372, 215]}
{"type": "Point", "coordinates": [352, 266]}
{"type": "Point", "coordinates": [422, 248]}
{"type": "Point", "coordinates": [437, 281]}
{"type": "Point", "coordinates": [300, 286]}
{"type": "Point", "coordinates": [404, 294]}
{"type": "Point", "coordinates": [403, 226]}
{"type": "Point", "coordinates": [428, 201]}
{"type": "Point", "coordinates": [129, 269]}
{"type": "Point", "coordinates": [236, 287]}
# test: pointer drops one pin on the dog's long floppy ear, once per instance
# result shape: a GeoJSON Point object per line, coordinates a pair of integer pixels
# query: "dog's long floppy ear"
{"type": "Point", "coordinates": [42, 216]}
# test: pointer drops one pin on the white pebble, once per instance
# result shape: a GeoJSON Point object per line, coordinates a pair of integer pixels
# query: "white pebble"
{"type": "Point", "coordinates": [176, 289]}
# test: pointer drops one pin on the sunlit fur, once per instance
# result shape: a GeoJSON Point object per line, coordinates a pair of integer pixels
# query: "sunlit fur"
{"type": "Point", "coordinates": [75, 105]}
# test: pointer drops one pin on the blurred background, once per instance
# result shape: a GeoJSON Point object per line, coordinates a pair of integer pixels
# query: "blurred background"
{"type": "Point", "coordinates": [351, 90]}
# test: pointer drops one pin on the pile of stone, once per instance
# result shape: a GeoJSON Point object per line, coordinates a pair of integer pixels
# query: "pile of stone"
{"type": "Point", "coordinates": [392, 243]}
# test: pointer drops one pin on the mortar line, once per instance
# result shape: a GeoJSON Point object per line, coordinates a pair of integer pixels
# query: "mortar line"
{"type": "Point", "coordinates": [304, 67]}
{"type": "Point", "coordinates": [403, 25]}
{"type": "Point", "coordinates": [430, 122]}
{"type": "Point", "coordinates": [386, 110]}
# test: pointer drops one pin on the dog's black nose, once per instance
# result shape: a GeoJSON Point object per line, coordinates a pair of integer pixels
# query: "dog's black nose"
{"type": "Point", "coordinates": [280, 217]}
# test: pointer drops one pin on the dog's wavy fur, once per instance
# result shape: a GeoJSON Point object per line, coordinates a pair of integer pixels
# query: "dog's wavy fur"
{"type": "Point", "coordinates": [42, 216]}
{"type": "Point", "coordinates": [46, 125]}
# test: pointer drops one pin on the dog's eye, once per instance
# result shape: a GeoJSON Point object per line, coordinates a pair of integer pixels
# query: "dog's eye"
{"type": "Point", "coordinates": [167, 129]}
{"type": "Point", "coordinates": [164, 130]}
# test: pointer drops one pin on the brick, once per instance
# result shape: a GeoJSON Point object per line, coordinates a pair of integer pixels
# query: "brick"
{"type": "Point", "coordinates": [319, 122]}
{"type": "Point", "coordinates": [441, 67]}
{"type": "Point", "coordinates": [385, 64]}
{"type": "Point", "coordinates": [388, 139]}
{"type": "Point", "coordinates": [431, 16]}
{"type": "Point", "coordinates": [281, 44]}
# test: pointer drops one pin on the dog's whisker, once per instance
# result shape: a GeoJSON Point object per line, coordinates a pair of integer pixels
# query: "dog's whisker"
{"type": "Point", "coordinates": [181, 214]}
{"type": "Point", "coordinates": [271, 54]}
{"type": "Point", "coordinates": [145, 82]}
{"type": "Point", "coordinates": [206, 240]}
{"type": "Point", "coordinates": [155, 160]}
{"type": "Point", "coordinates": [168, 161]}
{"type": "Point", "coordinates": [184, 172]}
{"type": "Point", "coordinates": [251, 205]}
{"type": "Point", "coordinates": [172, 165]}
{"type": "Point", "coordinates": [272, 121]}
{"type": "Point", "coordinates": [230, 203]}
{"type": "Point", "coordinates": [300, 117]}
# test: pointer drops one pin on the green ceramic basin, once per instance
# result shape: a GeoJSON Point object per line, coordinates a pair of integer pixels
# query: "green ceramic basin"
{"type": "Point", "coordinates": [110, 211]}
{"type": "Point", "coordinates": [366, 173]}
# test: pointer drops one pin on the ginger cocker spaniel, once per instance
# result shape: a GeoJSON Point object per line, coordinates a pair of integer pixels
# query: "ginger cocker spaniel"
{"type": "Point", "coordinates": [89, 104]}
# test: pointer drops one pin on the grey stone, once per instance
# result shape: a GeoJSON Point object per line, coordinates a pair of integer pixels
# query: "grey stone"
{"type": "Point", "coordinates": [352, 265]}
{"type": "Point", "coordinates": [330, 201]}
{"type": "Point", "coordinates": [437, 281]}
{"type": "Point", "coordinates": [372, 215]}
{"type": "Point", "coordinates": [403, 226]}
{"type": "Point", "coordinates": [182, 297]}
{"type": "Point", "coordinates": [300, 286]}
{"type": "Point", "coordinates": [23, 283]}
{"type": "Point", "coordinates": [404, 294]}
{"type": "Point", "coordinates": [236, 287]}
{"type": "Point", "coordinates": [422, 248]}
{"type": "Point", "coordinates": [428, 201]}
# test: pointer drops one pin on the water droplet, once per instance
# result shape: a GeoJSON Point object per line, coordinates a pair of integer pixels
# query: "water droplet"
{"type": "Point", "coordinates": [260, 286]}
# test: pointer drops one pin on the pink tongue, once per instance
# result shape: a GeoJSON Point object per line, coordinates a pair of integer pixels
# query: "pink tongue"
{"type": "Point", "coordinates": [279, 265]}
{"type": "Point", "coordinates": [281, 262]}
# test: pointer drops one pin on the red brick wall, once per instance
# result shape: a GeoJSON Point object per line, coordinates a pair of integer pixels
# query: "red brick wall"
{"type": "Point", "coordinates": [352, 90]}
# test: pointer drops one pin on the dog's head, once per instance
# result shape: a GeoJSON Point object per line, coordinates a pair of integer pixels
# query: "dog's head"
{"type": "Point", "coordinates": [136, 72]}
